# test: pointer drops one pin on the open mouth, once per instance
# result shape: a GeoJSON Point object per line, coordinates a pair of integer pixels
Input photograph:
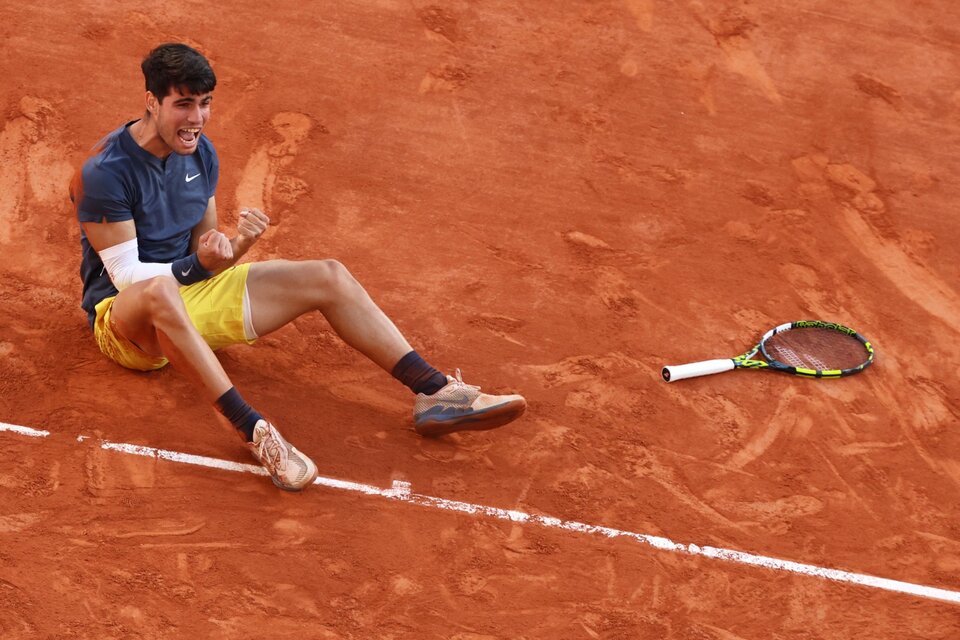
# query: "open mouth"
{"type": "Point", "coordinates": [189, 135]}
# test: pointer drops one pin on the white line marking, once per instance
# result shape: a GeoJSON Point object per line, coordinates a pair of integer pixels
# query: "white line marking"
{"type": "Point", "coordinates": [24, 431]}
{"type": "Point", "coordinates": [185, 458]}
{"type": "Point", "coordinates": [401, 491]}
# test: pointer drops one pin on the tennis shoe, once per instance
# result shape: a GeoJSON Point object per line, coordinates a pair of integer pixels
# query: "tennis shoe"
{"type": "Point", "coordinates": [462, 407]}
{"type": "Point", "coordinates": [289, 469]}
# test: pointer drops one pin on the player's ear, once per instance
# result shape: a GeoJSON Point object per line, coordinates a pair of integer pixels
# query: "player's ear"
{"type": "Point", "coordinates": [153, 105]}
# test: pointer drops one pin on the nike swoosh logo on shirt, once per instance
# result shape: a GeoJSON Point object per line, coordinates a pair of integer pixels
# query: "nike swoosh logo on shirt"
{"type": "Point", "coordinates": [189, 177]}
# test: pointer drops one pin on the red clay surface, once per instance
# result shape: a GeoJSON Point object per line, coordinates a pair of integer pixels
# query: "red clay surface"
{"type": "Point", "coordinates": [559, 198]}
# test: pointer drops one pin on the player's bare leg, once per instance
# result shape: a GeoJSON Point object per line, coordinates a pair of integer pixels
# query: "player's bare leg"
{"type": "Point", "coordinates": [280, 291]}
{"type": "Point", "coordinates": [152, 315]}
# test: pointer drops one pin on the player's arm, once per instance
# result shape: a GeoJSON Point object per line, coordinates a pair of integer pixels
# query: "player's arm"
{"type": "Point", "coordinates": [116, 244]}
{"type": "Point", "coordinates": [208, 222]}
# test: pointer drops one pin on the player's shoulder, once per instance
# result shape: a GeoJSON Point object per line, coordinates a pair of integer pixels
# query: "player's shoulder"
{"type": "Point", "coordinates": [206, 147]}
{"type": "Point", "coordinates": [108, 155]}
{"type": "Point", "coordinates": [207, 154]}
{"type": "Point", "coordinates": [110, 171]}
{"type": "Point", "coordinates": [205, 142]}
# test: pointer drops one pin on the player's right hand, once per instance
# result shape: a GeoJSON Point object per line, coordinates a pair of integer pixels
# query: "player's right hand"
{"type": "Point", "coordinates": [214, 251]}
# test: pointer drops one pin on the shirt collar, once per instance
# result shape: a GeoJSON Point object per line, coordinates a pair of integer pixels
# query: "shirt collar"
{"type": "Point", "coordinates": [130, 146]}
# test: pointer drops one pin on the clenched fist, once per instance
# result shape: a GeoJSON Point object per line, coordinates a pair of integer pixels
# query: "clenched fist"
{"type": "Point", "coordinates": [215, 251]}
{"type": "Point", "coordinates": [252, 224]}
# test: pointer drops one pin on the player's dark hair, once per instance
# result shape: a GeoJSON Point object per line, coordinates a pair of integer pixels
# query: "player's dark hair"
{"type": "Point", "coordinates": [179, 66]}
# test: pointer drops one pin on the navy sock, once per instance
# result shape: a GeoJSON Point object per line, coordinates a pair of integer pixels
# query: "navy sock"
{"type": "Point", "coordinates": [418, 375]}
{"type": "Point", "coordinates": [242, 415]}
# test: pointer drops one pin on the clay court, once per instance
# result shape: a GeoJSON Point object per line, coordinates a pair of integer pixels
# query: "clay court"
{"type": "Point", "coordinates": [558, 198]}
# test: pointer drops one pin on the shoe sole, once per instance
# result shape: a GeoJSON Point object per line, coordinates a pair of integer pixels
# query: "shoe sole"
{"type": "Point", "coordinates": [480, 421]}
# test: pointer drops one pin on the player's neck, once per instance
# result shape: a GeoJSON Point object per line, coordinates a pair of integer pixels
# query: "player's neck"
{"type": "Point", "coordinates": [146, 135]}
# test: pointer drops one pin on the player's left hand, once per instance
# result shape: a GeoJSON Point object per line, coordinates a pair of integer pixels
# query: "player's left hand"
{"type": "Point", "coordinates": [251, 224]}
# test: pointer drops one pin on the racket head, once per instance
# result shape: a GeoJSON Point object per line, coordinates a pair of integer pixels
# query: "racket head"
{"type": "Point", "coordinates": [816, 349]}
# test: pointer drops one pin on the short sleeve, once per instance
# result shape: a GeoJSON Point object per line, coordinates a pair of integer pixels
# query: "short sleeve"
{"type": "Point", "coordinates": [102, 196]}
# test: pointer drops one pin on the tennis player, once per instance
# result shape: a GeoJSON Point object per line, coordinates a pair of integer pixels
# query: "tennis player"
{"type": "Point", "coordinates": [162, 283]}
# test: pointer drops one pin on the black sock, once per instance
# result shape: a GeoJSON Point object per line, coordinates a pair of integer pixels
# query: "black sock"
{"type": "Point", "coordinates": [242, 415]}
{"type": "Point", "coordinates": [418, 375]}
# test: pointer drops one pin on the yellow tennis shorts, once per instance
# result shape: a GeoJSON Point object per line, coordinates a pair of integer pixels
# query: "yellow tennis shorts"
{"type": "Point", "coordinates": [215, 307]}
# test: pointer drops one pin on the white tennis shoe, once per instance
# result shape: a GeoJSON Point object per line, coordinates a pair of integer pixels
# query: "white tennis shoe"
{"type": "Point", "coordinates": [289, 469]}
{"type": "Point", "coordinates": [462, 407]}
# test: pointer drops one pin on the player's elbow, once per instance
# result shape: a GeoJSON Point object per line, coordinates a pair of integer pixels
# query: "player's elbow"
{"type": "Point", "coordinates": [121, 278]}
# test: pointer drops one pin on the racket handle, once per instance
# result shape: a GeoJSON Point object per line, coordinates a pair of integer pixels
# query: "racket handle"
{"type": "Point", "coordinates": [694, 369]}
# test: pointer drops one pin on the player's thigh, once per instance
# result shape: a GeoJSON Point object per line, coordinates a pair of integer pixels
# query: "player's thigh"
{"type": "Point", "coordinates": [282, 290]}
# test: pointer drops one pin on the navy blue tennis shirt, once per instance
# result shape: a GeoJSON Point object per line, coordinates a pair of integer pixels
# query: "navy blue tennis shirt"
{"type": "Point", "coordinates": [166, 198]}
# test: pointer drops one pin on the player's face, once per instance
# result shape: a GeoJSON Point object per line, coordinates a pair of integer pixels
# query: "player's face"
{"type": "Point", "coordinates": [180, 119]}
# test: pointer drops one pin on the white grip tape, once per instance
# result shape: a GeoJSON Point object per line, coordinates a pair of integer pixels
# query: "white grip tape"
{"type": "Point", "coordinates": [694, 369]}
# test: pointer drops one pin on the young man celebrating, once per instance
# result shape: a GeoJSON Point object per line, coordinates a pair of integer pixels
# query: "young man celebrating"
{"type": "Point", "coordinates": [161, 283]}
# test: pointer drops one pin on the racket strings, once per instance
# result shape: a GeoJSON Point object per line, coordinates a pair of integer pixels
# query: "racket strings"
{"type": "Point", "coordinates": [816, 348]}
{"type": "Point", "coordinates": [789, 356]}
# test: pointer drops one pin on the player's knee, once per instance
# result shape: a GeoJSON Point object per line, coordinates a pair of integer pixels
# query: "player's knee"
{"type": "Point", "coordinates": [162, 296]}
{"type": "Point", "coordinates": [332, 276]}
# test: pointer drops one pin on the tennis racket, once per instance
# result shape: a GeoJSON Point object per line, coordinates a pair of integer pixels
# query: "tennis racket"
{"type": "Point", "coordinates": [809, 348]}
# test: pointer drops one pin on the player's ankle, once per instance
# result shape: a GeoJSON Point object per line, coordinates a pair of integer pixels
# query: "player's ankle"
{"type": "Point", "coordinates": [238, 412]}
{"type": "Point", "coordinates": [417, 374]}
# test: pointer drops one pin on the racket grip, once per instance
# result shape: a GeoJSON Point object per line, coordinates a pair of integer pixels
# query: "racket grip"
{"type": "Point", "coordinates": [694, 369]}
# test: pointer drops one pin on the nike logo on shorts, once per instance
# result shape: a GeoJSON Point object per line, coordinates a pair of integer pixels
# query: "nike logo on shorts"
{"type": "Point", "coordinates": [189, 177]}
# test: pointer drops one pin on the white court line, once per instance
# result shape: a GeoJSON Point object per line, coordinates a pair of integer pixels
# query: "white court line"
{"type": "Point", "coordinates": [401, 491]}
{"type": "Point", "coordinates": [24, 431]}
